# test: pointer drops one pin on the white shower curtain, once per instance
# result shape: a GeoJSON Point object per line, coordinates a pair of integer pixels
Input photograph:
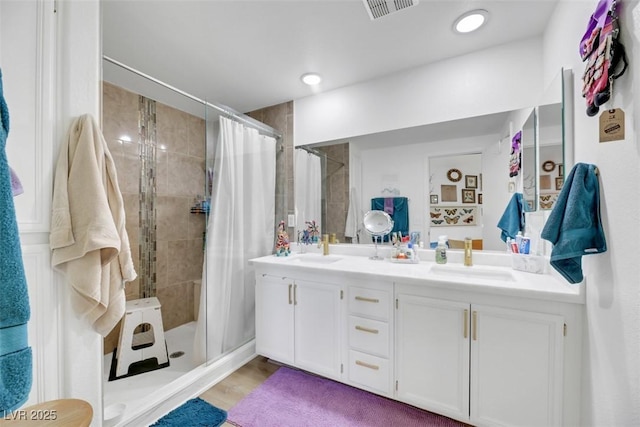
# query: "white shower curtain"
{"type": "Point", "coordinates": [241, 226]}
{"type": "Point", "coordinates": [307, 189]}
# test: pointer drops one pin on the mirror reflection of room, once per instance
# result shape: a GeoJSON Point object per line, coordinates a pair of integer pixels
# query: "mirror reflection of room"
{"type": "Point", "coordinates": [455, 199]}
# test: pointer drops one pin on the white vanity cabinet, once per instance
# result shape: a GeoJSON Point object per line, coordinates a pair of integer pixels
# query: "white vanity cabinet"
{"type": "Point", "coordinates": [370, 336]}
{"type": "Point", "coordinates": [488, 346]}
{"type": "Point", "coordinates": [432, 341]}
{"type": "Point", "coordinates": [484, 364]}
{"type": "Point", "coordinates": [516, 367]}
{"type": "Point", "coordinates": [298, 322]}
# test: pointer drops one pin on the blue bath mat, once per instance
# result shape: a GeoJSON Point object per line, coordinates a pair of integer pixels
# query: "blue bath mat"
{"type": "Point", "coordinates": [194, 412]}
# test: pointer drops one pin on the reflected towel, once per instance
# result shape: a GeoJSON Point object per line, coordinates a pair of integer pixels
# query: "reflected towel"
{"type": "Point", "coordinates": [574, 227]}
{"type": "Point", "coordinates": [400, 215]}
{"type": "Point", "coordinates": [354, 217]}
{"type": "Point", "coordinates": [512, 220]}
{"type": "Point", "coordinates": [15, 355]}
{"type": "Point", "coordinates": [388, 205]}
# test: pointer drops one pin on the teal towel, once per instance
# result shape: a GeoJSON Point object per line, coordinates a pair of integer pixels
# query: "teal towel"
{"type": "Point", "coordinates": [15, 356]}
{"type": "Point", "coordinates": [400, 215]}
{"type": "Point", "coordinates": [513, 219]}
{"type": "Point", "coordinates": [574, 227]}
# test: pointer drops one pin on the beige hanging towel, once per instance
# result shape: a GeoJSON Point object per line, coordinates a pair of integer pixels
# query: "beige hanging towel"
{"type": "Point", "coordinates": [88, 238]}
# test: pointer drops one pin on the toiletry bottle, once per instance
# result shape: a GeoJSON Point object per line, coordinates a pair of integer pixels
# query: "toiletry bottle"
{"type": "Point", "coordinates": [441, 250]}
{"type": "Point", "coordinates": [467, 252]}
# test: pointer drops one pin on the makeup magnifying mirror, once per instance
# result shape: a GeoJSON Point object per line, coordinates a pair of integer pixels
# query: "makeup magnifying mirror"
{"type": "Point", "coordinates": [378, 224]}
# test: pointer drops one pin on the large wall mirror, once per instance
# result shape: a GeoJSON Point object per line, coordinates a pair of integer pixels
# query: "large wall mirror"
{"type": "Point", "coordinates": [431, 168]}
{"type": "Point", "coordinates": [529, 162]}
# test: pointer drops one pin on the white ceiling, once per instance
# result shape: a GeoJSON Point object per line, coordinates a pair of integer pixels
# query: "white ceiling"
{"type": "Point", "coordinates": [250, 54]}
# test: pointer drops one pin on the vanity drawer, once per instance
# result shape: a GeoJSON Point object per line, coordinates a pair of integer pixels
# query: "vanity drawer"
{"type": "Point", "coordinates": [369, 302]}
{"type": "Point", "coordinates": [370, 371]}
{"type": "Point", "coordinates": [371, 336]}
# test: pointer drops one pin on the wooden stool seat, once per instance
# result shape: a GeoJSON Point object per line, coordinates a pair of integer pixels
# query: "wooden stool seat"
{"type": "Point", "coordinates": [62, 412]}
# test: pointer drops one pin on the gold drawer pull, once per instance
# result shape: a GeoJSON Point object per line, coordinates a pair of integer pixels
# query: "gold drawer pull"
{"type": "Point", "coordinates": [363, 329]}
{"type": "Point", "coordinates": [474, 324]}
{"type": "Point", "coordinates": [465, 325]}
{"type": "Point", "coordinates": [373, 300]}
{"type": "Point", "coordinates": [367, 365]}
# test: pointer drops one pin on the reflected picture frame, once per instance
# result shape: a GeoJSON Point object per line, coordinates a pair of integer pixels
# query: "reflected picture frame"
{"type": "Point", "coordinates": [433, 199]}
{"type": "Point", "coordinates": [559, 182]}
{"type": "Point", "coordinates": [468, 195]}
{"type": "Point", "coordinates": [471, 181]}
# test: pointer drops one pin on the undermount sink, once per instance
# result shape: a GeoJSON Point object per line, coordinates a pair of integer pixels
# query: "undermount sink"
{"type": "Point", "coordinates": [317, 259]}
{"type": "Point", "coordinates": [472, 272]}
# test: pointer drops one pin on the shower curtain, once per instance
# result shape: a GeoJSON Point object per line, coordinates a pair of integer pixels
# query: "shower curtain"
{"type": "Point", "coordinates": [241, 226]}
{"type": "Point", "coordinates": [308, 188]}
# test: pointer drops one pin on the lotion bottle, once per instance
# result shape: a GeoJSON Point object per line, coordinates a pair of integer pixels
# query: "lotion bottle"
{"type": "Point", "coordinates": [441, 250]}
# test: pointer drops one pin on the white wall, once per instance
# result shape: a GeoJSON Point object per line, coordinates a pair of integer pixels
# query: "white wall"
{"type": "Point", "coordinates": [50, 57]}
{"type": "Point", "coordinates": [611, 355]}
{"type": "Point", "coordinates": [470, 85]}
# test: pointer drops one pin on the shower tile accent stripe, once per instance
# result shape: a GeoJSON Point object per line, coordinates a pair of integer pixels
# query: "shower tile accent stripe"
{"type": "Point", "coordinates": [147, 196]}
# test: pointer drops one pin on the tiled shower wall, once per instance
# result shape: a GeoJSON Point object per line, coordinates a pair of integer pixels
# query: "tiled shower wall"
{"type": "Point", "coordinates": [179, 174]}
{"type": "Point", "coordinates": [336, 184]}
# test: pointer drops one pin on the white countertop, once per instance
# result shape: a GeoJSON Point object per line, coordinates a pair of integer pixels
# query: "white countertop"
{"type": "Point", "coordinates": [494, 279]}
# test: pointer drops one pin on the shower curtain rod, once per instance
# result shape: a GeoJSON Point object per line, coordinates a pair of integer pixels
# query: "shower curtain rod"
{"type": "Point", "coordinates": [319, 153]}
{"type": "Point", "coordinates": [226, 110]}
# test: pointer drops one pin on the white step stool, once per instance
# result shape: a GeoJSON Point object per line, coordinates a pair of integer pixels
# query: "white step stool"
{"type": "Point", "coordinates": [149, 344]}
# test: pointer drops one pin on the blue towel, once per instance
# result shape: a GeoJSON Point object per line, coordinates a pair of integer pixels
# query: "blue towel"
{"type": "Point", "coordinates": [574, 225]}
{"type": "Point", "coordinates": [513, 219]}
{"type": "Point", "coordinates": [15, 355]}
{"type": "Point", "coordinates": [400, 214]}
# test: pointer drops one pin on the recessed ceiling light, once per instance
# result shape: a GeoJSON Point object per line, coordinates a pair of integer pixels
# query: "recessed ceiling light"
{"type": "Point", "coordinates": [470, 21]}
{"type": "Point", "coordinates": [311, 79]}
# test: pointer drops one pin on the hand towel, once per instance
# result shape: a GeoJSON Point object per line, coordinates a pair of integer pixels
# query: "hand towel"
{"type": "Point", "coordinates": [574, 227]}
{"type": "Point", "coordinates": [400, 214]}
{"type": "Point", "coordinates": [16, 185]}
{"type": "Point", "coordinates": [88, 238]}
{"type": "Point", "coordinates": [513, 219]}
{"type": "Point", "coordinates": [354, 217]}
{"type": "Point", "coordinates": [15, 355]}
{"type": "Point", "coordinates": [388, 205]}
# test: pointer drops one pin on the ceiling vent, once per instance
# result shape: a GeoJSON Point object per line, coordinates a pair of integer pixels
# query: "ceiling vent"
{"type": "Point", "coordinates": [379, 8]}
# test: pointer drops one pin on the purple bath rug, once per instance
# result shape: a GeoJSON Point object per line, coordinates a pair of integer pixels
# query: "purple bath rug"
{"type": "Point", "coordinates": [291, 398]}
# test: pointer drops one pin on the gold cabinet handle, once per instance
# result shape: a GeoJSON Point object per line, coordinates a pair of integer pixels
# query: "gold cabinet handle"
{"type": "Point", "coordinates": [475, 325]}
{"type": "Point", "coordinates": [295, 294]}
{"type": "Point", "coordinates": [367, 365]}
{"type": "Point", "coordinates": [363, 329]}
{"type": "Point", "coordinates": [465, 327]}
{"type": "Point", "coordinates": [290, 298]}
{"type": "Point", "coordinates": [373, 300]}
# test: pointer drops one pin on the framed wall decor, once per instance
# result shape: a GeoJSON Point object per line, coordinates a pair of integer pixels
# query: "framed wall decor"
{"type": "Point", "coordinates": [453, 215]}
{"type": "Point", "coordinates": [454, 175]}
{"type": "Point", "coordinates": [433, 199]}
{"type": "Point", "coordinates": [471, 181]}
{"type": "Point", "coordinates": [559, 182]}
{"type": "Point", "coordinates": [548, 166]}
{"type": "Point", "coordinates": [449, 193]}
{"type": "Point", "coordinates": [560, 169]}
{"type": "Point", "coordinates": [468, 195]}
{"type": "Point", "coordinates": [545, 182]}
{"type": "Point", "coordinates": [480, 198]}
